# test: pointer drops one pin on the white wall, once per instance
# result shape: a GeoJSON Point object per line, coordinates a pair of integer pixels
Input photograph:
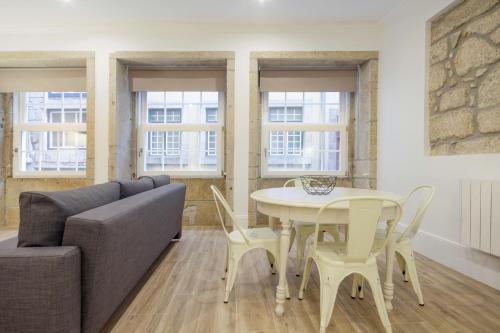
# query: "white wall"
{"type": "Point", "coordinates": [403, 162]}
{"type": "Point", "coordinates": [180, 37]}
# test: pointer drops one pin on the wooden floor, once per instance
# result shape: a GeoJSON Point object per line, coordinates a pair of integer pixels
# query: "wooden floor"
{"type": "Point", "coordinates": [184, 293]}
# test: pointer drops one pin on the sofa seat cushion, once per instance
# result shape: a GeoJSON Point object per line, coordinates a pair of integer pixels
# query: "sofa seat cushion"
{"type": "Point", "coordinates": [160, 180]}
{"type": "Point", "coordinates": [129, 188]}
{"type": "Point", "coordinates": [43, 214]}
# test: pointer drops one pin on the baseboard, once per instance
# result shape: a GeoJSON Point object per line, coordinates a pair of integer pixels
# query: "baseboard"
{"type": "Point", "coordinates": [480, 266]}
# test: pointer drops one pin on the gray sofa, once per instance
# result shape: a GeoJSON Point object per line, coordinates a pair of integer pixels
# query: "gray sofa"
{"type": "Point", "coordinates": [80, 252]}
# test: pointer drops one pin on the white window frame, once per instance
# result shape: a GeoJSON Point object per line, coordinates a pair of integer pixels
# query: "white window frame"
{"type": "Point", "coordinates": [144, 127]}
{"type": "Point", "coordinates": [20, 126]}
{"type": "Point", "coordinates": [267, 127]}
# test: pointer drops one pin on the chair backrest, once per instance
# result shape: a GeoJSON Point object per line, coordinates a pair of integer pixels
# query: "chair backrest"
{"type": "Point", "coordinates": [221, 201]}
{"type": "Point", "coordinates": [296, 182]}
{"type": "Point", "coordinates": [364, 215]}
{"type": "Point", "coordinates": [414, 225]}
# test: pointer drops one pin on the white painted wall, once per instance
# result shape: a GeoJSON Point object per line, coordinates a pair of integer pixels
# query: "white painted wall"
{"type": "Point", "coordinates": [403, 162]}
{"type": "Point", "coordinates": [182, 37]}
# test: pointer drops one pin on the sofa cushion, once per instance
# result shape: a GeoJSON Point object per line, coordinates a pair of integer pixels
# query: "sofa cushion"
{"type": "Point", "coordinates": [160, 180]}
{"type": "Point", "coordinates": [43, 214]}
{"type": "Point", "coordinates": [129, 188]}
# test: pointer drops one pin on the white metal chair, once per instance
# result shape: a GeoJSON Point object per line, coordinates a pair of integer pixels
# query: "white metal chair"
{"type": "Point", "coordinates": [403, 247]}
{"type": "Point", "coordinates": [357, 256]}
{"type": "Point", "coordinates": [240, 241]}
{"type": "Point", "coordinates": [302, 231]}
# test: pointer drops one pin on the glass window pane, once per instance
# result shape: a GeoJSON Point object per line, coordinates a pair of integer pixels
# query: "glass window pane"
{"type": "Point", "coordinates": [209, 97]}
{"type": "Point", "coordinates": [304, 151]}
{"type": "Point", "coordinates": [173, 97]}
{"type": "Point", "coordinates": [192, 97]}
{"type": "Point", "coordinates": [181, 151]}
{"type": "Point", "coordinates": [211, 115]}
{"type": "Point", "coordinates": [174, 115]}
{"type": "Point", "coordinates": [53, 151]}
{"type": "Point", "coordinates": [42, 107]}
{"type": "Point", "coordinates": [294, 98]}
{"type": "Point", "coordinates": [155, 99]}
{"type": "Point", "coordinates": [276, 98]}
{"type": "Point", "coordinates": [156, 115]}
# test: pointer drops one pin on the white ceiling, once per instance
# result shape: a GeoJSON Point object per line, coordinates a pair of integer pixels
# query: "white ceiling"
{"type": "Point", "coordinates": [81, 12]}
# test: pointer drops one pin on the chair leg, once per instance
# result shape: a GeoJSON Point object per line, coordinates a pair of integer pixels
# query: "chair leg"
{"type": "Point", "coordinates": [226, 262]}
{"type": "Point", "coordinates": [231, 275]}
{"type": "Point", "coordinates": [300, 246]}
{"type": "Point", "coordinates": [358, 286]}
{"type": "Point", "coordinates": [402, 266]}
{"type": "Point", "coordinates": [411, 269]}
{"type": "Point", "coordinates": [305, 278]}
{"type": "Point", "coordinates": [374, 281]}
{"type": "Point", "coordinates": [272, 261]}
{"type": "Point", "coordinates": [293, 233]}
{"type": "Point", "coordinates": [328, 293]}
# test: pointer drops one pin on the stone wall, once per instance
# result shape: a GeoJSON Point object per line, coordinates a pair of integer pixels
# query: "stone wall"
{"type": "Point", "coordinates": [464, 79]}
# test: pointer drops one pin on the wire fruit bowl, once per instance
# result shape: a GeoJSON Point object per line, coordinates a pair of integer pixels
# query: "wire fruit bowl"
{"type": "Point", "coordinates": [318, 185]}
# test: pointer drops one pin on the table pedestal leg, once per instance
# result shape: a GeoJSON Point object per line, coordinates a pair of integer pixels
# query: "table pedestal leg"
{"type": "Point", "coordinates": [284, 246]}
{"type": "Point", "coordinates": [388, 284]}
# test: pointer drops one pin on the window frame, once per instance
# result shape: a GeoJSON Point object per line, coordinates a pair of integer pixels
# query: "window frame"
{"type": "Point", "coordinates": [143, 127]}
{"type": "Point", "coordinates": [20, 125]}
{"type": "Point", "coordinates": [268, 126]}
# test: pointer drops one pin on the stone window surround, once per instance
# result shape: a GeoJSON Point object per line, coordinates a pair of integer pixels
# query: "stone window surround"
{"type": "Point", "coordinates": [362, 170]}
{"type": "Point", "coordinates": [12, 187]}
{"type": "Point", "coordinates": [200, 209]}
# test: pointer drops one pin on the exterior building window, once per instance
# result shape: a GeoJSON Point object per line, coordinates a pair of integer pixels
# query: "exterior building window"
{"type": "Point", "coordinates": [304, 132]}
{"type": "Point", "coordinates": [180, 133]}
{"type": "Point", "coordinates": [50, 134]}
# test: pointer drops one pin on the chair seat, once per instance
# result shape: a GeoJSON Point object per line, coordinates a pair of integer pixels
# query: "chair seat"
{"type": "Point", "coordinates": [254, 235]}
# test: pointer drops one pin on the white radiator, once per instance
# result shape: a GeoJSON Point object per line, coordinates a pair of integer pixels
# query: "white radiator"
{"type": "Point", "coordinates": [481, 215]}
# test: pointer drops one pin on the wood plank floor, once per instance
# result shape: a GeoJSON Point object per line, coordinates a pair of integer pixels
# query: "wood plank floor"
{"type": "Point", "coordinates": [184, 293]}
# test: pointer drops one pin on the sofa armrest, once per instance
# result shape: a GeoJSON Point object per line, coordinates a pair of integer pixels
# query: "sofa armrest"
{"type": "Point", "coordinates": [40, 289]}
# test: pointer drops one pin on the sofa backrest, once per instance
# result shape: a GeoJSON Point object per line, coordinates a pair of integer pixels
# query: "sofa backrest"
{"type": "Point", "coordinates": [129, 188]}
{"type": "Point", "coordinates": [43, 214]}
{"type": "Point", "coordinates": [160, 180]}
{"type": "Point", "coordinates": [119, 242]}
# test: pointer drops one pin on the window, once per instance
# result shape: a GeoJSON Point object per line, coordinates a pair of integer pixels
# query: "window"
{"type": "Point", "coordinates": [50, 134]}
{"type": "Point", "coordinates": [180, 133]}
{"type": "Point", "coordinates": [304, 133]}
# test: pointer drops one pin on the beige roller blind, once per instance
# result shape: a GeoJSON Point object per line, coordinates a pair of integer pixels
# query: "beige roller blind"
{"type": "Point", "coordinates": [308, 80]}
{"type": "Point", "coordinates": [177, 80]}
{"type": "Point", "coordinates": [42, 79]}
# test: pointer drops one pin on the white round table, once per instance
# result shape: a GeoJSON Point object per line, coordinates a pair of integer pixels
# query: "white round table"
{"type": "Point", "coordinates": [294, 204]}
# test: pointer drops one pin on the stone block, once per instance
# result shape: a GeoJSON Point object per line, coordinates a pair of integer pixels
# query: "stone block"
{"type": "Point", "coordinates": [489, 121]}
{"type": "Point", "coordinates": [453, 99]}
{"type": "Point", "coordinates": [482, 145]}
{"type": "Point", "coordinates": [441, 149]}
{"type": "Point", "coordinates": [458, 16]}
{"type": "Point", "coordinates": [495, 36]}
{"type": "Point", "coordinates": [489, 90]}
{"type": "Point", "coordinates": [473, 53]}
{"type": "Point", "coordinates": [453, 124]}
{"type": "Point", "coordinates": [439, 51]}
{"type": "Point", "coordinates": [485, 24]}
{"type": "Point", "coordinates": [437, 77]}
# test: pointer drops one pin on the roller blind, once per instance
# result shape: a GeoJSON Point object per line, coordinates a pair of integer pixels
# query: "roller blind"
{"type": "Point", "coordinates": [177, 80]}
{"type": "Point", "coordinates": [42, 79]}
{"type": "Point", "coordinates": [308, 80]}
